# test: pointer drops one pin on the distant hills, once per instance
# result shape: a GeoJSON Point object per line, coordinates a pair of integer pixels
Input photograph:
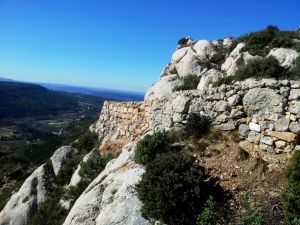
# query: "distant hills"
{"type": "Point", "coordinates": [106, 93]}
{"type": "Point", "coordinates": [5, 79]}
{"type": "Point", "coordinates": [113, 94]}
{"type": "Point", "coordinates": [23, 100]}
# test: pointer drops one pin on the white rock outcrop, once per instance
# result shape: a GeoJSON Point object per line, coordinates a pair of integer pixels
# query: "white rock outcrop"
{"type": "Point", "coordinates": [163, 87]}
{"type": "Point", "coordinates": [205, 50]}
{"type": "Point", "coordinates": [236, 59]}
{"type": "Point", "coordinates": [187, 63]}
{"type": "Point", "coordinates": [285, 56]}
{"type": "Point", "coordinates": [208, 78]}
{"type": "Point", "coordinates": [111, 198]}
{"type": "Point", "coordinates": [62, 156]}
{"type": "Point", "coordinates": [25, 203]}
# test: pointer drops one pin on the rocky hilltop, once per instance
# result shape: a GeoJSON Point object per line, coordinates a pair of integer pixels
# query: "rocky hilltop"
{"type": "Point", "coordinates": [263, 113]}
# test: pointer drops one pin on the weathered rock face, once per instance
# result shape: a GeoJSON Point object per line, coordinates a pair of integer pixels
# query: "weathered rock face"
{"type": "Point", "coordinates": [163, 87]}
{"type": "Point", "coordinates": [208, 78]}
{"type": "Point", "coordinates": [188, 64]}
{"type": "Point", "coordinates": [263, 102]}
{"type": "Point", "coordinates": [111, 198]}
{"type": "Point", "coordinates": [285, 56]}
{"type": "Point", "coordinates": [205, 50]}
{"type": "Point", "coordinates": [61, 157]}
{"type": "Point", "coordinates": [236, 59]}
{"type": "Point", "coordinates": [25, 203]}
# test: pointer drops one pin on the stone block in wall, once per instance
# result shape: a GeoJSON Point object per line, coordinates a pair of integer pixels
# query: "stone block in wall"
{"type": "Point", "coordinates": [280, 144]}
{"type": "Point", "coordinates": [294, 94]}
{"type": "Point", "coordinates": [266, 140]}
{"type": "Point", "coordinates": [244, 130]}
{"type": "Point", "coordinates": [284, 136]}
{"type": "Point", "coordinates": [254, 137]}
{"type": "Point", "coordinates": [254, 127]}
{"type": "Point", "coordinates": [227, 126]}
{"type": "Point", "coordinates": [282, 124]}
{"type": "Point", "coordinates": [295, 107]}
{"type": "Point", "coordinates": [263, 102]}
{"type": "Point", "coordinates": [234, 100]}
{"type": "Point", "coordinates": [295, 127]}
{"type": "Point", "coordinates": [222, 106]}
{"type": "Point", "coordinates": [236, 114]}
{"type": "Point", "coordinates": [181, 104]}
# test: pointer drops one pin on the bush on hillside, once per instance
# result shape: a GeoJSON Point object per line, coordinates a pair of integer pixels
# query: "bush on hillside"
{"type": "Point", "coordinates": [196, 125]}
{"type": "Point", "coordinates": [260, 68]}
{"type": "Point", "coordinates": [260, 42]}
{"type": "Point", "coordinates": [152, 145]}
{"type": "Point", "coordinates": [190, 82]}
{"type": "Point", "coordinates": [173, 189]}
{"type": "Point", "coordinates": [86, 142]}
{"type": "Point", "coordinates": [292, 194]}
{"type": "Point", "coordinates": [183, 41]}
{"type": "Point", "coordinates": [209, 215]}
{"type": "Point", "coordinates": [294, 74]}
{"type": "Point", "coordinates": [94, 165]}
{"type": "Point", "coordinates": [268, 67]}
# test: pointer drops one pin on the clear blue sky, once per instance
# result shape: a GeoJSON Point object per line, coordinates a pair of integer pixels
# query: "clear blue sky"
{"type": "Point", "coordinates": [119, 44]}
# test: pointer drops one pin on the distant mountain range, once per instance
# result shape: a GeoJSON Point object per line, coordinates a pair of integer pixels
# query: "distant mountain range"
{"type": "Point", "coordinates": [112, 94]}
{"type": "Point", "coordinates": [5, 79]}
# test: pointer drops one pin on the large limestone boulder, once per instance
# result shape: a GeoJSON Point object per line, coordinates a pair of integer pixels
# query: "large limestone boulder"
{"type": "Point", "coordinates": [25, 203]}
{"type": "Point", "coordinates": [263, 102]}
{"type": "Point", "coordinates": [111, 198]}
{"type": "Point", "coordinates": [186, 62]}
{"type": "Point", "coordinates": [179, 54]}
{"type": "Point", "coordinates": [205, 50]}
{"type": "Point", "coordinates": [181, 104]}
{"type": "Point", "coordinates": [236, 59]}
{"type": "Point", "coordinates": [208, 78]}
{"type": "Point", "coordinates": [163, 87]}
{"type": "Point", "coordinates": [285, 56]}
{"type": "Point", "coordinates": [61, 157]}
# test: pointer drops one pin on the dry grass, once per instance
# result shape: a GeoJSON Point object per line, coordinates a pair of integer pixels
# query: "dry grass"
{"type": "Point", "coordinates": [239, 172]}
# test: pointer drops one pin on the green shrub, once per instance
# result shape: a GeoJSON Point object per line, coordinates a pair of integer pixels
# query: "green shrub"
{"type": "Point", "coordinates": [173, 189]}
{"type": "Point", "coordinates": [64, 175]}
{"type": "Point", "coordinates": [196, 125]}
{"type": "Point", "coordinates": [183, 41]}
{"type": "Point", "coordinates": [190, 82]}
{"type": "Point", "coordinates": [254, 219]}
{"type": "Point", "coordinates": [173, 70]}
{"type": "Point", "coordinates": [209, 215]}
{"type": "Point", "coordinates": [260, 68]}
{"type": "Point", "coordinates": [201, 147]}
{"type": "Point", "coordinates": [260, 42]}
{"type": "Point", "coordinates": [150, 146]}
{"type": "Point", "coordinates": [295, 72]}
{"type": "Point", "coordinates": [223, 80]}
{"type": "Point", "coordinates": [94, 165]}
{"type": "Point", "coordinates": [292, 194]}
{"type": "Point", "coordinates": [34, 184]}
{"type": "Point", "coordinates": [251, 217]}
{"type": "Point", "coordinates": [50, 212]}
{"type": "Point", "coordinates": [86, 142]}
{"type": "Point", "coordinates": [268, 67]}
{"type": "Point", "coordinates": [72, 193]}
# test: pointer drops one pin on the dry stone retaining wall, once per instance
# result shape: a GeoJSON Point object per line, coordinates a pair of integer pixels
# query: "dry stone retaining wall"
{"type": "Point", "coordinates": [266, 113]}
